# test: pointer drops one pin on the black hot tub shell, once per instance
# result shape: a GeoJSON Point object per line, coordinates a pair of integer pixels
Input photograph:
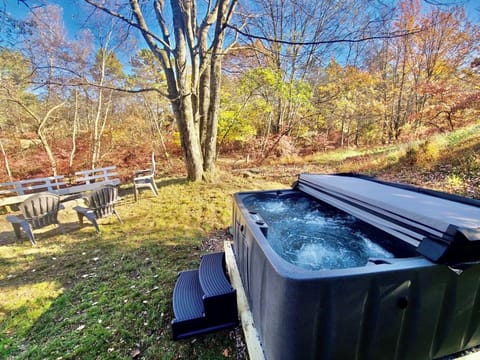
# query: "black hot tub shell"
{"type": "Point", "coordinates": [422, 304]}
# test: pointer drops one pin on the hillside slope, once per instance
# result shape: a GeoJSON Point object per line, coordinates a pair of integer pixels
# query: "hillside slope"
{"type": "Point", "coordinates": [448, 162]}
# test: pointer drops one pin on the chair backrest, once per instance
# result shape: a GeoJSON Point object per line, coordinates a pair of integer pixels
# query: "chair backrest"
{"type": "Point", "coordinates": [102, 200]}
{"type": "Point", "coordinates": [41, 209]}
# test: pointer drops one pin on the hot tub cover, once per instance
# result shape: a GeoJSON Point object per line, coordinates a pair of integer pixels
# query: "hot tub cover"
{"type": "Point", "coordinates": [445, 228]}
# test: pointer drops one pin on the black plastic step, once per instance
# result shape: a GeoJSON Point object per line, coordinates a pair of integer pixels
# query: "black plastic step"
{"type": "Point", "coordinates": [213, 278]}
{"type": "Point", "coordinates": [203, 300]}
{"type": "Point", "coordinates": [188, 296]}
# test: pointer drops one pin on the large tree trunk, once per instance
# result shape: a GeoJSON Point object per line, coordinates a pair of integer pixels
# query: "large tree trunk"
{"type": "Point", "coordinates": [205, 87]}
{"type": "Point", "coordinates": [185, 114]}
{"type": "Point", "coordinates": [183, 111]}
{"type": "Point", "coordinates": [193, 82]}
{"type": "Point", "coordinates": [210, 145]}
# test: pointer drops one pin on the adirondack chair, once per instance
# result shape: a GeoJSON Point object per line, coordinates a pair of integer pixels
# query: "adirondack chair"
{"type": "Point", "coordinates": [38, 210]}
{"type": "Point", "coordinates": [145, 179]}
{"type": "Point", "coordinates": [100, 203]}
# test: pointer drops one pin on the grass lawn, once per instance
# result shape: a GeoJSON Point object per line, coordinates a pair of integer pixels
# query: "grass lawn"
{"type": "Point", "coordinates": [78, 295]}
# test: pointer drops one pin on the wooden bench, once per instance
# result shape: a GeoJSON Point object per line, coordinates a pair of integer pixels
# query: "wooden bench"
{"type": "Point", "coordinates": [91, 179]}
{"type": "Point", "coordinates": [15, 192]}
{"type": "Point", "coordinates": [105, 175]}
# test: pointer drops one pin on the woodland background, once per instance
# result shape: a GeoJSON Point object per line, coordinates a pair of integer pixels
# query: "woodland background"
{"type": "Point", "coordinates": [96, 97]}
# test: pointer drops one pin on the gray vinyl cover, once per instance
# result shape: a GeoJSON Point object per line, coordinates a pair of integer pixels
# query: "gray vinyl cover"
{"type": "Point", "coordinates": [432, 223]}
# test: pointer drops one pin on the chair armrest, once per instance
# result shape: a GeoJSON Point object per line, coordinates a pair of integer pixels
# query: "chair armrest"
{"type": "Point", "coordinates": [15, 219]}
{"type": "Point", "coordinates": [81, 209]}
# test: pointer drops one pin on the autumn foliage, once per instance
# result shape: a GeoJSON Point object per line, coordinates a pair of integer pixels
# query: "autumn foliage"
{"type": "Point", "coordinates": [62, 110]}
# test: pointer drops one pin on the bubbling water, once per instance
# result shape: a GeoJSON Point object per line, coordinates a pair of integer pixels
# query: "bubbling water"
{"type": "Point", "coordinates": [314, 236]}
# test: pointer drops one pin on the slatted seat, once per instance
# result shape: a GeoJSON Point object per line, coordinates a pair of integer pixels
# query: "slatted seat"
{"type": "Point", "coordinates": [100, 203]}
{"type": "Point", "coordinates": [38, 210]}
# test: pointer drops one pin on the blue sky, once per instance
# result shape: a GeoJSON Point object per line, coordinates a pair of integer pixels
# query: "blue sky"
{"type": "Point", "coordinates": [71, 12]}
{"type": "Point", "coordinates": [73, 17]}
{"type": "Point", "coordinates": [472, 9]}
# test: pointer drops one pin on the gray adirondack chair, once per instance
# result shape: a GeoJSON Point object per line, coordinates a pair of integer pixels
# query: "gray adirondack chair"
{"type": "Point", "coordinates": [38, 211]}
{"type": "Point", "coordinates": [145, 179]}
{"type": "Point", "coordinates": [100, 203]}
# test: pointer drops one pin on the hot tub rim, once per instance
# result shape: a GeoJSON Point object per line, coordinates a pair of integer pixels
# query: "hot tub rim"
{"type": "Point", "coordinates": [294, 272]}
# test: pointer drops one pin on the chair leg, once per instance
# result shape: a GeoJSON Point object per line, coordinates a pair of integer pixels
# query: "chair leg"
{"type": "Point", "coordinates": [81, 212]}
{"type": "Point", "coordinates": [135, 190]}
{"type": "Point", "coordinates": [155, 189]}
{"type": "Point", "coordinates": [28, 230]}
{"type": "Point", "coordinates": [80, 218]}
{"type": "Point", "coordinates": [17, 230]}
{"type": "Point", "coordinates": [93, 219]}
{"type": "Point", "coordinates": [118, 216]}
{"type": "Point", "coordinates": [60, 227]}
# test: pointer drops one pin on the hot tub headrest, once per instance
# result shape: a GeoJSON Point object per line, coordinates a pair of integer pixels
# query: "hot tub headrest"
{"type": "Point", "coordinates": [464, 246]}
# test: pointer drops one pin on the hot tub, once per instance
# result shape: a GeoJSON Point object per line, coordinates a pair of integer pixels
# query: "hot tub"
{"type": "Point", "coordinates": [409, 291]}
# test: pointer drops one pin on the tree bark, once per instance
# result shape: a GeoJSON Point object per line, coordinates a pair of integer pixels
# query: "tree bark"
{"type": "Point", "coordinates": [210, 145]}
{"type": "Point", "coordinates": [185, 114]}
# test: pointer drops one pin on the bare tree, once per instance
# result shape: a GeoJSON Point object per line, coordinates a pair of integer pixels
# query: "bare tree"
{"type": "Point", "coordinates": [104, 72]}
{"type": "Point", "coordinates": [190, 46]}
{"type": "Point", "coordinates": [38, 50]}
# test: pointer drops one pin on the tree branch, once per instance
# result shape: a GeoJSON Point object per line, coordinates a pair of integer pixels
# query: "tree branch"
{"type": "Point", "coordinates": [128, 21]}
{"type": "Point", "coordinates": [334, 41]}
{"type": "Point", "coordinates": [107, 87]}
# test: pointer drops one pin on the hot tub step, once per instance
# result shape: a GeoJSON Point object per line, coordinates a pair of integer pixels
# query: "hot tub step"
{"type": "Point", "coordinates": [203, 300]}
{"type": "Point", "coordinates": [212, 275]}
{"type": "Point", "coordinates": [187, 296]}
{"type": "Point", "coordinates": [220, 299]}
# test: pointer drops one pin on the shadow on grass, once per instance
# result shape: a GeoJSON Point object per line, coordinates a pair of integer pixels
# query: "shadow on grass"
{"type": "Point", "coordinates": [128, 190]}
{"type": "Point", "coordinates": [50, 231]}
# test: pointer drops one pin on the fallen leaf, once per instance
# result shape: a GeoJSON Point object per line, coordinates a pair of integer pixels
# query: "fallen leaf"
{"type": "Point", "coordinates": [226, 352]}
{"type": "Point", "coordinates": [135, 353]}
